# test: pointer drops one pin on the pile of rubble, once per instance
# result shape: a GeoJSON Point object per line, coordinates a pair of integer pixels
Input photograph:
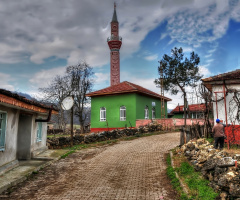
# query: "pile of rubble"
{"type": "Point", "coordinates": [56, 143]}
{"type": "Point", "coordinates": [219, 167]}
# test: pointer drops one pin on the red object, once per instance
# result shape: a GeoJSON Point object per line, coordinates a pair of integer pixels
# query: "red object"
{"type": "Point", "coordinates": [235, 163]}
{"type": "Point", "coordinates": [95, 130]}
{"type": "Point", "coordinates": [126, 87]}
{"type": "Point", "coordinates": [233, 134]}
{"type": "Point", "coordinates": [193, 108]}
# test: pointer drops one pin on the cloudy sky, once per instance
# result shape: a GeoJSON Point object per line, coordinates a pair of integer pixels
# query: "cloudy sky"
{"type": "Point", "coordinates": [38, 39]}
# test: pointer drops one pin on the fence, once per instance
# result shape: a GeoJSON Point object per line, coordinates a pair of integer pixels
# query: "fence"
{"type": "Point", "coordinates": [191, 132]}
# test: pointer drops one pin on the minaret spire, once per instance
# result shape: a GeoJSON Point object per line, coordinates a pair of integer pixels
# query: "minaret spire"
{"type": "Point", "coordinates": [114, 18]}
{"type": "Point", "coordinates": [114, 43]}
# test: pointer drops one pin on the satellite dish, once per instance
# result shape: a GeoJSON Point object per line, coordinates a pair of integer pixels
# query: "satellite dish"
{"type": "Point", "coordinates": [67, 103]}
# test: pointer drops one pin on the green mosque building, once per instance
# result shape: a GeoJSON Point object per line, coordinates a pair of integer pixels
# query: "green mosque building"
{"type": "Point", "coordinates": [123, 104]}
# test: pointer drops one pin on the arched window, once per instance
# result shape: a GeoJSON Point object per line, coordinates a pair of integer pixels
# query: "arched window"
{"type": "Point", "coordinates": [103, 114]}
{"type": "Point", "coordinates": [153, 113]}
{"type": "Point", "coordinates": [123, 113]}
{"type": "Point", "coordinates": [146, 113]}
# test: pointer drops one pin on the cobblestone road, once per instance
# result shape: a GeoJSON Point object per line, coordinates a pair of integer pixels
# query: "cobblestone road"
{"type": "Point", "coordinates": [129, 170]}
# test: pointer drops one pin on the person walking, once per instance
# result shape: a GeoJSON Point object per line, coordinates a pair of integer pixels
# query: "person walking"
{"type": "Point", "coordinates": [218, 131]}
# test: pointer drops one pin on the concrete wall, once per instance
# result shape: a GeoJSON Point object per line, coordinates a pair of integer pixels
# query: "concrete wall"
{"type": "Point", "coordinates": [231, 106]}
{"type": "Point", "coordinates": [10, 152]}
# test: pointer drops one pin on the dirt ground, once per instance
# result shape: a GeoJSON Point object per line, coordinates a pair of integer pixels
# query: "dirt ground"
{"type": "Point", "coordinates": [130, 170]}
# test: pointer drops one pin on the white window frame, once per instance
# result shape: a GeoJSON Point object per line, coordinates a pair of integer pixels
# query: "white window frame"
{"type": "Point", "coordinates": [123, 113]}
{"type": "Point", "coordinates": [3, 129]}
{"type": "Point", "coordinates": [153, 113]}
{"type": "Point", "coordinates": [39, 131]}
{"type": "Point", "coordinates": [146, 112]}
{"type": "Point", "coordinates": [103, 114]}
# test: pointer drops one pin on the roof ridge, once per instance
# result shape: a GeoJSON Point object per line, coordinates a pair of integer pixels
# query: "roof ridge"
{"type": "Point", "coordinates": [130, 84]}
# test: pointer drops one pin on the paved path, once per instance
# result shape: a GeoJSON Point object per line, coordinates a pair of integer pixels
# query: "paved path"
{"type": "Point", "coordinates": [129, 170]}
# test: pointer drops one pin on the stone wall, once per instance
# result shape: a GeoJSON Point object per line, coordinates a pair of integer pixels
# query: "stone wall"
{"type": "Point", "coordinates": [219, 167]}
{"type": "Point", "coordinates": [56, 143]}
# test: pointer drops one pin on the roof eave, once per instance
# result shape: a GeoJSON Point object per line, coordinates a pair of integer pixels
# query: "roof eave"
{"type": "Point", "coordinates": [129, 91]}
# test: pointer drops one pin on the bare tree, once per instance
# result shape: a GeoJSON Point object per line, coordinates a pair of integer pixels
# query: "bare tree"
{"type": "Point", "coordinates": [55, 93]}
{"type": "Point", "coordinates": [76, 82]}
{"type": "Point", "coordinates": [81, 82]}
{"type": "Point", "coordinates": [207, 97]}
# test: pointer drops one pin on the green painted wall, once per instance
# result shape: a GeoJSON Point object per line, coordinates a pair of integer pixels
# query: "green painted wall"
{"type": "Point", "coordinates": [178, 116]}
{"type": "Point", "coordinates": [143, 101]}
{"type": "Point", "coordinates": [135, 105]}
{"type": "Point", "coordinates": [112, 104]}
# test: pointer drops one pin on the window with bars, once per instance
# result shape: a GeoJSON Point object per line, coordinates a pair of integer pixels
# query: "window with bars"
{"type": "Point", "coordinates": [103, 114]}
{"type": "Point", "coordinates": [3, 124]}
{"type": "Point", "coordinates": [146, 113]}
{"type": "Point", "coordinates": [39, 131]}
{"type": "Point", "coordinates": [122, 113]}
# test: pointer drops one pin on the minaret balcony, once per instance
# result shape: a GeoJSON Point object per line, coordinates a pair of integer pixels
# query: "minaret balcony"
{"type": "Point", "coordinates": [114, 44]}
{"type": "Point", "coordinates": [114, 38]}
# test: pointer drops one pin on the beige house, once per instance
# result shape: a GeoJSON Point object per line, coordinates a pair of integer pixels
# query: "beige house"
{"type": "Point", "coordinates": [23, 128]}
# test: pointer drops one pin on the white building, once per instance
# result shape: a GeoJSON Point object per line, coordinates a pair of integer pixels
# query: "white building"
{"type": "Point", "coordinates": [23, 128]}
{"type": "Point", "coordinates": [225, 90]}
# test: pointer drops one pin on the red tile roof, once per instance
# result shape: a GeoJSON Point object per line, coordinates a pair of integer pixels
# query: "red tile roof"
{"type": "Point", "coordinates": [225, 76]}
{"type": "Point", "coordinates": [125, 87]}
{"type": "Point", "coordinates": [232, 77]}
{"type": "Point", "coordinates": [193, 108]}
{"type": "Point", "coordinates": [13, 99]}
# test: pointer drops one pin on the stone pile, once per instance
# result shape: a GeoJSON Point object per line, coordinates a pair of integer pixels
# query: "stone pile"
{"type": "Point", "coordinates": [56, 143]}
{"type": "Point", "coordinates": [219, 167]}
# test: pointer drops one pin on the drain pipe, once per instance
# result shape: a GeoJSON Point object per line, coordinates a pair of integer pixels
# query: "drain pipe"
{"type": "Point", "coordinates": [48, 118]}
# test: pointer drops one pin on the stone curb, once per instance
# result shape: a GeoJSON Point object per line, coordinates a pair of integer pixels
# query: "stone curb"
{"type": "Point", "coordinates": [183, 186]}
{"type": "Point", "coordinates": [23, 178]}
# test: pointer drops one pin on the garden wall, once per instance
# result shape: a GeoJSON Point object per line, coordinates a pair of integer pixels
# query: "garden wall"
{"type": "Point", "coordinates": [219, 167]}
{"type": "Point", "coordinates": [61, 142]}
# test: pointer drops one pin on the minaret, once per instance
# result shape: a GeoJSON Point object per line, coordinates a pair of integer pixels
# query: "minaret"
{"type": "Point", "coordinates": [114, 43]}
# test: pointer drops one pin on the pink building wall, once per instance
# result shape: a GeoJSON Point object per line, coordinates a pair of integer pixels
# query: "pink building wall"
{"type": "Point", "coordinates": [170, 122]}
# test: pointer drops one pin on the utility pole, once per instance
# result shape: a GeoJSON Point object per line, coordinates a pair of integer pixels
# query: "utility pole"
{"type": "Point", "coordinates": [162, 96]}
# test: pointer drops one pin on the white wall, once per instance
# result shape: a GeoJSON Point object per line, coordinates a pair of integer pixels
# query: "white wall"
{"type": "Point", "coordinates": [230, 105]}
{"type": "Point", "coordinates": [10, 152]}
{"type": "Point", "coordinates": [11, 140]}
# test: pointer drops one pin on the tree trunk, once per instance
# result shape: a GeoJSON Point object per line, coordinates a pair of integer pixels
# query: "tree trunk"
{"type": "Point", "coordinates": [185, 113]}
{"type": "Point", "coordinates": [71, 126]}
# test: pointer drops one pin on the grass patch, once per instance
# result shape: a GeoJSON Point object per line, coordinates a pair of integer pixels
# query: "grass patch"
{"type": "Point", "coordinates": [67, 154]}
{"type": "Point", "coordinates": [197, 186]}
{"type": "Point", "coordinates": [95, 144]}
{"type": "Point", "coordinates": [57, 135]}
{"type": "Point", "coordinates": [174, 180]}
{"type": "Point", "coordinates": [210, 140]}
